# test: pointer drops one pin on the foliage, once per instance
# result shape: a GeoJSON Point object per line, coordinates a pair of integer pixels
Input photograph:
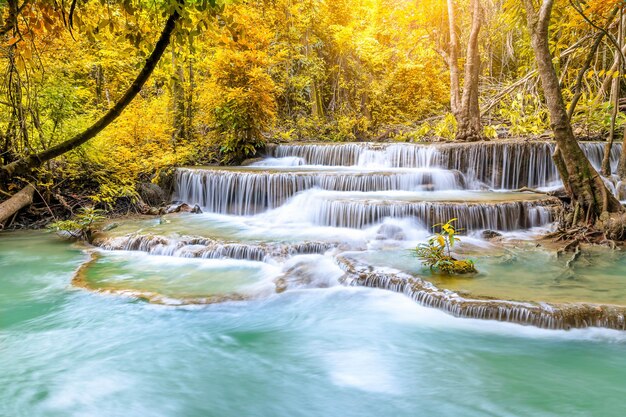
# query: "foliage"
{"type": "Point", "coordinates": [81, 226]}
{"type": "Point", "coordinates": [239, 75]}
{"type": "Point", "coordinates": [525, 115]}
{"type": "Point", "coordinates": [437, 255]}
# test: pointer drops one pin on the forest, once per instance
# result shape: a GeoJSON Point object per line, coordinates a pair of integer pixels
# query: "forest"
{"type": "Point", "coordinates": [279, 208]}
{"type": "Point", "coordinates": [233, 77]}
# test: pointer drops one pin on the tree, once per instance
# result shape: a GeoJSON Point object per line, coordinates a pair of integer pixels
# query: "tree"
{"type": "Point", "coordinates": [582, 182]}
{"type": "Point", "coordinates": [43, 16]}
{"type": "Point", "coordinates": [23, 166]}
{"type": "Point", "coordinates": [465, 107]}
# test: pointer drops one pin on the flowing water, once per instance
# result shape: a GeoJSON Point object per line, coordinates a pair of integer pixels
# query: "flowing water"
{"type": "Point", "coordinates": [245, 308]}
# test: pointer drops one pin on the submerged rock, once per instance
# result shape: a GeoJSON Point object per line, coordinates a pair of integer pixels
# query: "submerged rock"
{"type": "Point", "coordinates": [110, 226]}
{"type": "Point", "coordinates": [251, 161]}
{"type": "Point", "coordinates": [490, 234]}
{"type": "Point", "coordinates": [311, 271]}
{"type": "Point", "coordinates": [390, 231]}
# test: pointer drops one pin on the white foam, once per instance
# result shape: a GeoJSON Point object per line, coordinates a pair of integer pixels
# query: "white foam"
{"type": "Point", "coordinates": [361, 369]}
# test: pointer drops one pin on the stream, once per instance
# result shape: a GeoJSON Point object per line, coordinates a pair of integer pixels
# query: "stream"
{"type": "Point", "coordinates": [248, 309]}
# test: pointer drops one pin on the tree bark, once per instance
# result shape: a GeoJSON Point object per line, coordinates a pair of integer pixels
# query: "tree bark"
{"type": "Point", "coordinates": [621, 167]}
{"type": "Point", "coordinates": [18, 201]}
{"type": "Point", "coordinates": [615, 95]}
{"type": "Point", "coordinates": [581, 180]}
{"type": "Point", "coordinates": [25, 165]}
{"type": "Point", "coordinates": [608, 79]}
{"type": "Point", "coordinates": [453, 61]}
{"type": "Point", "coordinates": [469, 126]}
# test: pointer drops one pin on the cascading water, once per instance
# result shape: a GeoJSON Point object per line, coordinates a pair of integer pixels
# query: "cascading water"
{"type": "Point", "coordinates": [500, 165]}
{"type": "Point", "coordinates": [358, 210]}
{"type": "Point", "coordinates": [304, 207]}
{"type": "Point", "coordinates": [250, 192]}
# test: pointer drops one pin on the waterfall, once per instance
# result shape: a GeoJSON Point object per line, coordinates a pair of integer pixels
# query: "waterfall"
{"type": "Point", "coordinates": [544, 315]}
{"type": "Point", "coordinates": [248, 193]}
{"type": "Point", "coordinates": [375, 197]}
{"type": "Point", "coordinates": [195, 247]}
{"type": "Point", "coordinates": [335, 210]}
{"type": "Point", "coordinates": [500, 165]}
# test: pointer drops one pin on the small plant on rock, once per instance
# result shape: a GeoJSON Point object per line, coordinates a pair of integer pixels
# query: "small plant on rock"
{"type": "Point", "coordinates": [437, 253]}
{"type": "Point", "coordinates": [81, 226]}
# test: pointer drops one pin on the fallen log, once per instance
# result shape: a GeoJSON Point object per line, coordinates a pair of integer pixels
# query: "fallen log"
{"type": "Point", "coordinates": [21, 199]}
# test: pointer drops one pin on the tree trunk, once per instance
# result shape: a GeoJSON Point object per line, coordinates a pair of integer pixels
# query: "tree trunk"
{"type": "Point", "coordinates": [25, 165]}
{"type": "Point", "coordinates": [317, 108]}
{"type": "Point", "coordinates": [18, 201]}
{"type": "Point", "coordinates": [615, 95]}
{"type": "Point", "coordinates": [178, 100]}
{"type": "Point", "coordinates": [453, 61]}
{"type": "Point", "coordinates": [608, 78]}
{"type": "Point", "coordinates": [581, 180]}
{"type": "Point", "coordinates": [469, 127]}
{"type": "Point", "coordinates": [621, 167]}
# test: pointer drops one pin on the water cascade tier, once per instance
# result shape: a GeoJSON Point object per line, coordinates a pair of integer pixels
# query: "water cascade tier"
{"type": "Point", "coordinates": [252, 190]}
{"type": "Point", "coordinates": [498, 164]}
{"type": "Point", "coordinates": [474, 210]}
{"type": "Point", "coordinates": [318, 215]}
{"type": "Point", "coordinates": [545, 315]}
{"type": "Point", "coordinates": [207, 248]}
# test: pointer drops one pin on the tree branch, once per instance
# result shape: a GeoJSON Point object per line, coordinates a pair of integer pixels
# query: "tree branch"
{"type": "Point", "coordinates": [26, 164]}
{"type": "Point", "coordinates": [606, 32]}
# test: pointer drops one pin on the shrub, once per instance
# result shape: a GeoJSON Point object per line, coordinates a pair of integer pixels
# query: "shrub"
{"type": "Point", "coordinates": [81, 226]}
{"type": "Point", "coordinates": [437, 255]}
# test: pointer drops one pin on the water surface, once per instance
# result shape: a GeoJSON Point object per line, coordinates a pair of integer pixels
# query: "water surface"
{"type": "Point", "coordinates": [314, 352]}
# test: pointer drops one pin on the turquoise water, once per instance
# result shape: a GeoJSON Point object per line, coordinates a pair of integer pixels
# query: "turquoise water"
{"type": "Point", "coordinates": [523, 273]}
{"type": "Point", "coordinates": [179, 278]}
{"type": "Point", "coordinates": [313, 352]}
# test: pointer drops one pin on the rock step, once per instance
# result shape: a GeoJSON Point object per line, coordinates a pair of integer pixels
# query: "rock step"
{"type": "Point", "coordinates": [499, 164]}
{"type": "Point", "coordinates": [543, 315]}
{"type": "Point", "coordinates": [335, 210]}
{"type": "Point", "coordinates": [250, 191]}
{"type": "Point", "coordinates": [200, 247]}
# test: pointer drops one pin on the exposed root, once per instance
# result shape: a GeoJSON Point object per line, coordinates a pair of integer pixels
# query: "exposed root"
{"type": "Point", "coordinates": [574, 257]}
{"type": "Point", "coordinates": [572, 246]}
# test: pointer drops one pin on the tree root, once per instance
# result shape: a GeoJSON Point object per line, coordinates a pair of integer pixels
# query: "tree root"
{"type": "Point", "coordinates": [575, 256]}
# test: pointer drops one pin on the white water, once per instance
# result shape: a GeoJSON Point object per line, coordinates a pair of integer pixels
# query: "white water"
{"type": "Point", "coordinates": [301, 343]}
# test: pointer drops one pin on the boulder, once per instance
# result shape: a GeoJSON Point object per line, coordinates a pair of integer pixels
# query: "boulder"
{"type": "Point", "coordinates": [490, 234]}
{"type": "Point", "coordinates": [182, 208]}
{"type": "Point", "coordinates": [151, 194]}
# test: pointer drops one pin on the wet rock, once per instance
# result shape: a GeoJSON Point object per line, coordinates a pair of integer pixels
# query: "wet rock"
{"type": "Point", "coordinates": [309, 271]}
{"type": "Point", "coordinates": [490, 234]}
{"type": "Point", "coordinates": [151, 194]}
{"type": "Point", "coordinates": [110, 226]}
{"type": "Point", "coordinates": [250, 161]}
{"type": "Point", "coordinates": [389, 231]}
{"type": "Point", "coordinates": [182, 208]}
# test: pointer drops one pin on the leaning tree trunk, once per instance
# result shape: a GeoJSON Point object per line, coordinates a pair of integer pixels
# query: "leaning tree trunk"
{"type": "Point", "coordinates": [581, 180]}
{"type": "Point", "coordinates": [469, 126]}
{"type": "Point", "coordinates": [25, 165]}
